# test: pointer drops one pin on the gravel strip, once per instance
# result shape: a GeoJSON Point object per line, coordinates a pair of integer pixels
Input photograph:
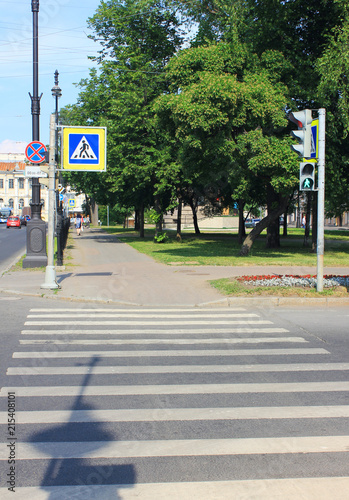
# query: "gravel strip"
{"type": "Point", "coordinates": [294, 281]}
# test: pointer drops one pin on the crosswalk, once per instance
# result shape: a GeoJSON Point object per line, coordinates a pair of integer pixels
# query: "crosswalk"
{"type": "Point", "coordinates": [156, 403]}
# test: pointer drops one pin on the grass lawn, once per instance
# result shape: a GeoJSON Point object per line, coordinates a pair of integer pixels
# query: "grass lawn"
{"type": "Point", "coordinates": [222, 249]}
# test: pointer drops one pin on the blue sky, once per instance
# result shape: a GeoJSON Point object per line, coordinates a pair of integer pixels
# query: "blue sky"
{"type": "Point", "coordinates": [63, 45]}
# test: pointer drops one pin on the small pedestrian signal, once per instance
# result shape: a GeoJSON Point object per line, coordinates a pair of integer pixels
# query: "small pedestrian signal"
{"type": "Point", "coordinates": [83, 151]}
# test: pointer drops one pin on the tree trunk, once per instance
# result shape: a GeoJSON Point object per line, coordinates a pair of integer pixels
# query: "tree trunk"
{"type": "Point", "coordinates": [298, 221]}
{"type": "Point", "coordinates": [94, 212]}
{"type": "Point", "coordinates": [273, 234]}
{"type": "Point", "coordinates": [273, 228]}
{"type": "Point", "coordinates": [314, 226]}
{"type": "Point", "coordinates": [248, 242]}
{"type": "Point", "coordinates": [158, 225]}
{"type": "Point", "coordinates": [141, 221]}
{"type": "Point", "coordinates": [136, 219]}
{"type": "Point", "coordinates": [307, 218]}
{"type": "Point", "coordinates": [193, 207]}
{"type": "Point", "coordinates": [284, 227]}
{"type": "Point", "coordinates": [179, 220]}
{"type": "Point", "coordinates": [242, 229]}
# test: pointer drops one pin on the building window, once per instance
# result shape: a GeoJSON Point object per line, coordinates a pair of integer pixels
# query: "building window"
{"type": "Point", "coordinates": [21, 203]}
{"type": "Point", "coordinates": [21, 183]}
{"type": "Point", "coordinates": [10, 202]}
{"type": "Point", "coordinates": [1, 183]}
{"type": "Point", "coordinates": [10, 183]}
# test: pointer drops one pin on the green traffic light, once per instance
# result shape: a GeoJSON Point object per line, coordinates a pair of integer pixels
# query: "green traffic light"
{"type": "Point", "coordinates": [308, 183]}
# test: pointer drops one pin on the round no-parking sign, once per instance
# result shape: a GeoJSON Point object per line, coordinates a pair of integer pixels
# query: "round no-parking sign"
{"type": "Point", "coordinates": [35, 152]}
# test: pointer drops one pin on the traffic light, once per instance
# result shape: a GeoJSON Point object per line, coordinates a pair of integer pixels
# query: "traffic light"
{"type": "Point", "coordinates": [307, 176]}
{"type": "Point", "coordinates": [303, 121]}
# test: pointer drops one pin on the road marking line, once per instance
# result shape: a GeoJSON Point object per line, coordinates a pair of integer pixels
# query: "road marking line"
{"type": "Point", "coordinates": [170, 352]}
{"type": "Point", "coordinates": [177, 447]}
{"type": "Point", "coordinates": [88, 314]}
{"type": "Point", "coordinates": [132, 390]}
{"type": "Point", "coordinates": [151, 369]}
{"type": "Point", "coordinates": [140, 311]}
{"type": "Point", "coordinates": [147, 323]}
{"type": "Point", "coordinates": [189, 341]}
{"type": "Point", "coordinates": [319, 488]}
{"type": "Point", "coordinates": [178, 414]}
{"type": "Point", "coordinates": [184, 331]}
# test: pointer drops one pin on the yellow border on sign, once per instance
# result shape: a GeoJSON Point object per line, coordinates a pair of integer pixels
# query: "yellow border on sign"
{"type": "Point", "coordinates": [83, 167]}
{"type": "Point", "coordinates": [315, 123]}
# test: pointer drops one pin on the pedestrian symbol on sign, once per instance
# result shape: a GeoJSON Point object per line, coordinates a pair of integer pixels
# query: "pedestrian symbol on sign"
{"type": "Point", "coordinates": [83, 151]}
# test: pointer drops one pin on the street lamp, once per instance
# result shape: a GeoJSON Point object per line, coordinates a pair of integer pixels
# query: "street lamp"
{"type": "Point", "coordinates": [57, 93]}
{"type": "Point", "coordinates": [36, 228]}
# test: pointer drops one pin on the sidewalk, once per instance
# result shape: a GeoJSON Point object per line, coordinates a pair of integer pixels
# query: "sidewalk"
{"type": "Point", "coordinates": [105, 270]}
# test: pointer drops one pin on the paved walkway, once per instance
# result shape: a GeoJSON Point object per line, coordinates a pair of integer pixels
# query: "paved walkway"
{"type": "Point", "coordinates": [104, 269]}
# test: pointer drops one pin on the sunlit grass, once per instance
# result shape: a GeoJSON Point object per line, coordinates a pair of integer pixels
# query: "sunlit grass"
{"type": "Point", "coordinates": [222, 249]}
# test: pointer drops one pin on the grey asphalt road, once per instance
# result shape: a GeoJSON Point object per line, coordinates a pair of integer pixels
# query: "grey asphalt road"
{"type": "Point", "coordinates": [12, 245]}
{"type": "Point", "coordinates": [156, 402]}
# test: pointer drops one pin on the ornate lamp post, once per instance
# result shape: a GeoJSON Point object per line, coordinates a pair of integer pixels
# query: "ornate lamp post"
{"type": "Point", "coordinates": [36, 227]}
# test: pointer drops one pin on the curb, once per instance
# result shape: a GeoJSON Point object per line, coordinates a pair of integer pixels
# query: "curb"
{"type": "Point", "coordinates": [225, 302]}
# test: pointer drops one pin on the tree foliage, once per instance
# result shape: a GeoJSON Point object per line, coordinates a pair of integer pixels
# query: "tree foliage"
{"type": "Point", "coordinates": [207, 120]}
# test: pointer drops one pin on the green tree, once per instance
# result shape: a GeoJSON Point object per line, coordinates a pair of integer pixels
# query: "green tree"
{"type": "Point", "coordinates": [225, 110]}
{"type": "Point", "coordinates": [333, 90]}
{"type": "Point", "coordinates": [138, 38]}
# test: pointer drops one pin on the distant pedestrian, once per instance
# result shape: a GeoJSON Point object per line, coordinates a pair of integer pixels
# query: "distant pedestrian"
{"type": "Point", "coordinates": [303, 221]}
{"type": "Point", "coordinates": [78, 224]}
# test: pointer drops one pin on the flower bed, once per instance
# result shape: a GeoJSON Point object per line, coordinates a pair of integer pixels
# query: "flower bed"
{"type": "Point", "coordinates": [294, 280]}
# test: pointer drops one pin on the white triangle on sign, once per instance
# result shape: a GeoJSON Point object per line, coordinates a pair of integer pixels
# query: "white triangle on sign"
{"type": "Point", "coordinates": [83, 151]}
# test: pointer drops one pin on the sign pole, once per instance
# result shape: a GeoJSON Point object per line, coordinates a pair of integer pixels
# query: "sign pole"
{"type": "Point", "coordinates": [50, 274]}
{"type": "Point", "coordinates": [321, 201]}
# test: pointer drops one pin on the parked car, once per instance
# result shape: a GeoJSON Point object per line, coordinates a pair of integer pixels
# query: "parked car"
{"type": "Point", "coordinates": [13, 221]}
{"type": "Point", "coordinates": [251, 222]}
{"type": "Point", "coordinates": [3, 219]}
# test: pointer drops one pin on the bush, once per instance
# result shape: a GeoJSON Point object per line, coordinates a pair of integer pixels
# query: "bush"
{"type": "Point", "coordinates": [161, 238]}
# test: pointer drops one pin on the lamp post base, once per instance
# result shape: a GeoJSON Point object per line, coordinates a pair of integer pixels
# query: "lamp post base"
{"type": "Point", "coordinates": [36, 244]}
{"type": "Point", "coordinates": [50, 279]}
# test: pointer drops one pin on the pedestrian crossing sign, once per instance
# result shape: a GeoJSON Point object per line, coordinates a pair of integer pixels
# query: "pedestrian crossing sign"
{"type": "Point", "coordinates": [84, 149]}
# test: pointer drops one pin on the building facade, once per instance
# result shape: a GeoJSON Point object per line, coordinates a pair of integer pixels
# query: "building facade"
{"type": "Point", "coordinates": [16, 189]}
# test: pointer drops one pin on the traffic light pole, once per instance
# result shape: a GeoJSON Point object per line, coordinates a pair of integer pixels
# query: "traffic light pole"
{"type": "Point", "coordinates": [50, 274]}
{"type": "Point", "coordinates": [321, 201]}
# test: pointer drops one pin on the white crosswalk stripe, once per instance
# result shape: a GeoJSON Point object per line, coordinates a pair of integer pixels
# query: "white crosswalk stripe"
{"type": "Point", "coordinates": [179, 447]}
{"type": "Point", "coordinates": [170, 353]}
{"type": "Point", "coordinates": [264, 489]}
{"type": "Point", "coordinates": [173, 414]}
{"type": "Point", "coordinates": [156, 403]}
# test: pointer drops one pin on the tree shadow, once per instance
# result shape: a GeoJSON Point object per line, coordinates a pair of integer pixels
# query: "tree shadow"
{"type": "Point", "coordinates": [79, 479]}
